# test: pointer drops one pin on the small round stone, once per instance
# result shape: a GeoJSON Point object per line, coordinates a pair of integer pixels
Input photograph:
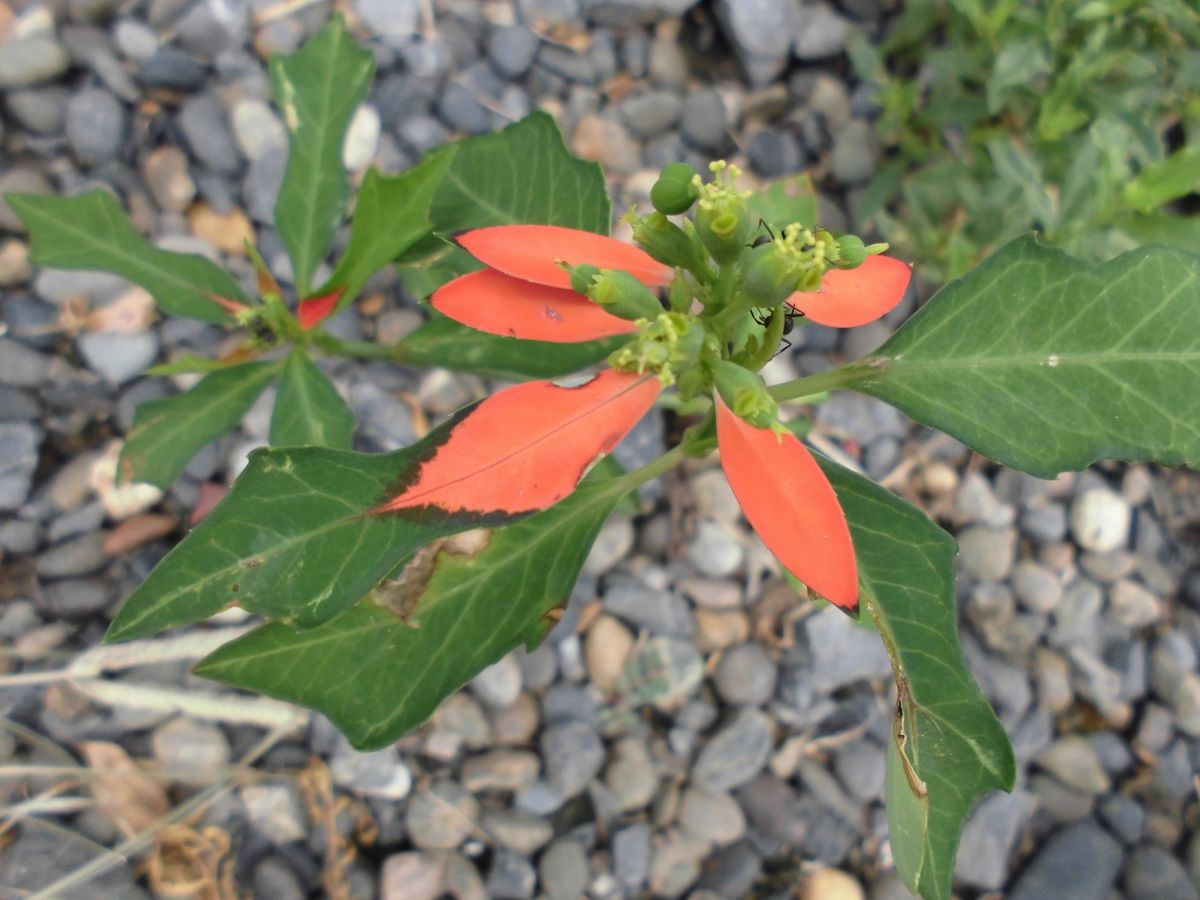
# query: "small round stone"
{"type": "Point", "coordinates": [441, 816]}
{"type": "Point", "coordinates": [95, 125]}
{"type": "Point", "coordinates": [1100, 520]}
{"type": "Point", "coordinates": [746, 675]}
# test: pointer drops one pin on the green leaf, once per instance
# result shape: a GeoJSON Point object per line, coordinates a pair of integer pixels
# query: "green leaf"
{"type": "Point", "coordinates": [391, 213]}
{"type": "Point", "coordinates": [955, 747]}
{"type": "Point", "coordinates": [1173, 177]}
{"type": "Point", "coordinates": [192, 364]}
{"type": "Point", "coordinates": [1045, 363]}
{"type": "Point", "coordinates": [444, 342]}
{"type": "Point", "coordinates": [295, 539]}
{"type": "Point", "coordinates": [309, 412]}
{"type": "Point", "coordinates": [318, 90]}
{"type": "Point", "coordinates": [167, 433]}
{"type": "Point", "coordinates": [787, 200]}
{"type": "Point", "coordinates": [91, 231]}
{"type": "Point", "coordinates": [382, 667]}
{"type": "Point", "coordinates": [522, 175]}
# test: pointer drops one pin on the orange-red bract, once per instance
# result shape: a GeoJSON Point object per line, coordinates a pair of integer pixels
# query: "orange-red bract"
{"type": "Point", "coordinates": [791, 504]}
{"type": "Point", "coordinates": [532, 253]}
{"type": "Point", "coordinates": [500, 304]}
{"type": "Point", "coordinates": [852, 297]}
{"type": "Point", "coordinates": [526, 447]}
{"type": "Point", "coordinates": [316, 309]}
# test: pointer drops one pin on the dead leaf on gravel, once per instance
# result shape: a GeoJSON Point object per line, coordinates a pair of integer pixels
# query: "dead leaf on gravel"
{"type": "Point", "coordinates": [192, 864]}
{"type": "Point", "coordinates": [127, 796]}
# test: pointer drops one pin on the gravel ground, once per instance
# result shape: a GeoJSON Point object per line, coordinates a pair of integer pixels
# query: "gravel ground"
{"type": "Point", "coordinates": [758, 764]}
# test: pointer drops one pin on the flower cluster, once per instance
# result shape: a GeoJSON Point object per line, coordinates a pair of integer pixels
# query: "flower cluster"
{"type": "Point", "coordinates": [728, 300]}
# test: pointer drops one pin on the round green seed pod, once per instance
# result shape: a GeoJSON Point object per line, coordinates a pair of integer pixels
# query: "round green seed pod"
{"type": "Point", "coordinates": [674, 192]}
{"type": "Point", "coordinates": [851, 251]}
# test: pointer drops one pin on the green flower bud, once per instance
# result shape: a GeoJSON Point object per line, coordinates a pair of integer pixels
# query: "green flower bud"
{"type": "Point", "coordinates": [851, 251]}
{"type": "Point", "coordinates": [746, 394]}
{"type": "Point", "coordinates": [674, 192]}
{"type": "Point", "coordinates": [582, 277]}
{"type": "Point", "coordinates": [769, 277]}
{"type": "Point", "coordinates": [722, 219]}
{"type": "Point", "coordinates": [668, 243]}
{"type": "Point", "coordinates": [621, 294]}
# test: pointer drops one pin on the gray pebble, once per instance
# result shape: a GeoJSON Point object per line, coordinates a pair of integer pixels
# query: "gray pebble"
{"type": "Point", "coordinates": [275, 879]}
{"type": "Point", "coordinates": [173, 70]}
{"type": "Point", "coordinates": [380, 773]}
{"type": "Point", "coordinates": [660, 611]}
{"type": "Point", "coordinates": [95, 126]}
{"type": "Point", "coordinates": [458, 106]}
{"type": "Point", "coordinates": [820, 32]}
{"type": "Point", "coordinates": [1124, 817]}
{"type": "Point", "coordinates": [260, 187]}
{"type": "Point", "coordinates": [861, 766]}
{"type": "Point", "coordinates": [79, 556]}
{"type": "Point", "coordinates": [704, 119]}
{"type": "Point", "coordinates": [736, 753]}
{"type": "Point", "coordinates": [1073, 760]}
{"type": "Point", "coordinates": [422, 132]}
{"type": "Point", "coordinates": [631, 775]}
{"type": "Point", "coordinates": [761, 32]}
{"type": "Point", "coordinates": [441, 816]}
{"type": "Point", "coordinates": [1155, 874]}
{"type": "Point", "coordinates": [712, 815]}
{"type": "Point", "coordinates": [394, 21]}
{"type": "Point", "coordinates": [572, 754]}
{"type": "Point", "coordinates": [18, 459]}
{"type": "Point", "coordinates": [1131, 605]}
{"type": "Point", "coordinates": [1057, 871]}
{"type": "Point", "coordinates": [991, 836]}
{"type": "Point", "coordinates": [746, 675]}
{"type": "Point", "coordinates": [631, 855]}
{"type": "Point", "coordinates": [842, 651]}
{"type": "Point", "coordinates": [715, 550]}
{"type": "Point", "coordinates": [651, 113]}
{"type": "Point", "coordinates": [511, 877]}
{"type": "Point", "coordinates": [257, 130]}
{"type": "Point", "coordinates": [75, 598]}
{"type": "Point", "coordinates": [855, 152]}
{"type": "Point", "coordinates": [499, 684]}
{"type": "Point", "coordinates": [987, 553]}
{"type": "Point", "coordinates": [511, 49]}
{"type": "Point", "coordinates": [118, 355]}
{"type": "Point", "coordinates": [203, 124]}
{"type": "Point", "coordinates": [774, 153]}
{"type": "Point", "coordinates": [276, 811]}
{"type": "Point", "coordinates": [564, 870]}
{"type": "Point", "coordinates": [31, 60]}
{"type": "Point", "coordinates": [518, 830]}
{"type": "Point", "coordinates": [1038, 588]}
{"type": "Point", "coordinates": [1046, 523]}
{"type": "Point", "coordinates": [40, 110]}
{"type": "Point", "coordinates": [136, 40]}
{"type": "Point", "coordinates": [731, 871]}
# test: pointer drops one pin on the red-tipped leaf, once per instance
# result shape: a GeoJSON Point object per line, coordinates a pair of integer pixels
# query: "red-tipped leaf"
{"type": "Point", "coordinates": [500, 304]}
{"type": "Point", "coordinates": [532, 253]}
{"type": "Point", "coordinates": [791, 504]}
{"type": "Point", "coordinates": [526, 447]}
{"type": "Point", "coordinates": [851, 297]}
{"type": "Point", "coordinates": [313, 310]}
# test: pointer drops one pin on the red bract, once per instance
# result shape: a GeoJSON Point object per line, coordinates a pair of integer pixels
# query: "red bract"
{"type": "Point", "coordinates": [499, 304]}
{"type": "Point", "coordinates": [317, 309]}
{"type": "Point", "coordinates": [791, 504]}
{"type": "Point", "coordinates": [526, 447]}
{"type": "Point", "coordinates": [848, 298]}
{"type": "Point", "coordinates": [526, 294]}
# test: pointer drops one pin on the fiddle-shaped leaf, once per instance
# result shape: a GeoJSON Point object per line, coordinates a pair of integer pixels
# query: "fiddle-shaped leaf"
{"type": "Point", "coordinates": [318, 89]}
{"type": "Point", "coordinates": [309, 412]}
{"type": "Point", "coordinates": [91, 231]}
{"type": "Point", "coordinates": [167, 433]}
{"type": "Point", "coordinates": [1046, 363]}
{"type": "Point", "coordinates": [948, 749]}
{"type": "Point", "coordinates": [306, 532]}
{"type": "Point", "coordinates": [458, 607]}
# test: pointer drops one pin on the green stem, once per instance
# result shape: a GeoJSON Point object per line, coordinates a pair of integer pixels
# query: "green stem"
{"type": "Point", "coordinates": [770, 341]}
{"type": "Point", "coordinates": [355, 349]}
{"type": "Point", "coordinates": [843, 376]}
{"type": "Point", "coordinates": [654, 468]}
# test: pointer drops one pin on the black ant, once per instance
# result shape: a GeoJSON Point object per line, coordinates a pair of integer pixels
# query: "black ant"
{"type": "Point", "coordinates": [762, 238]}
{"type": "Point", "coordinates": [791, 314]}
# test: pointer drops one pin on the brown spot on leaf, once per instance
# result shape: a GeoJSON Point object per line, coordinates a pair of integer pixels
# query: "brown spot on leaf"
{"type": "Point", "coordinates": [401, 596]}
